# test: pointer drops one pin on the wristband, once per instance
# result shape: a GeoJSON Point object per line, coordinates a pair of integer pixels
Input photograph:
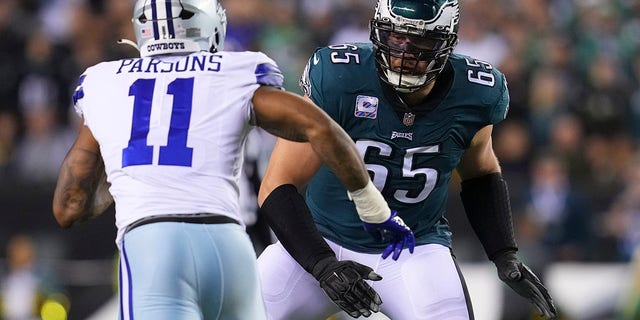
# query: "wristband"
{"type": "Point", "coordinates": [370, 204]}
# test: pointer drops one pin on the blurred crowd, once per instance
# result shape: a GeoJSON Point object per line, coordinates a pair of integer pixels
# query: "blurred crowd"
{"type": "Point", "coordinates": [569, 146]}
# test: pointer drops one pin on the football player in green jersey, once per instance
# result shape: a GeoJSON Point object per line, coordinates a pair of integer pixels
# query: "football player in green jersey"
{"type": "Point", "coordinates": [417, 112]}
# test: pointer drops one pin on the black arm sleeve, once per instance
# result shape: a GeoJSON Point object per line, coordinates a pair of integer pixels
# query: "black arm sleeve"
{"type": "Point", "coordinates": [291, 221]}
{"type": "Point", "coordinates": [487, 205]}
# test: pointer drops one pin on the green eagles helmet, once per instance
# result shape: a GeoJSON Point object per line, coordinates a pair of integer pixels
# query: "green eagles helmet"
{"type": "Point", "coordinates": [414, 31]}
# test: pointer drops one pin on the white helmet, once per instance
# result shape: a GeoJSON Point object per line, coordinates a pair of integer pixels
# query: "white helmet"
{"type": "Point", "coordinates": [178, 26]}
{"type": "Point", "coordinates": [419, 30]}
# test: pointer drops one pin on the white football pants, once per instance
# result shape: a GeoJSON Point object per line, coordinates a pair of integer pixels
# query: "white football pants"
{"type": "Point", "coordinates": [424, 285]}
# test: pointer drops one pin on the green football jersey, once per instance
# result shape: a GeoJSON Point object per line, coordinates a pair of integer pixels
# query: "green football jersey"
{"type": "Point", "coordinates": [410, 154]}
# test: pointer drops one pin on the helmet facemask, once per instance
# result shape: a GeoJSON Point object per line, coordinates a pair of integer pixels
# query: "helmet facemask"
{"type": "Point", "coordinates": [412, 50]}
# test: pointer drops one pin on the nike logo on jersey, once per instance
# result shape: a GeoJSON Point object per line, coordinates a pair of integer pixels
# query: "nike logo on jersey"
{"type": "Point", "coordinates": [315, 59]}
{"type": "Point", "coordinates": [366, 107]}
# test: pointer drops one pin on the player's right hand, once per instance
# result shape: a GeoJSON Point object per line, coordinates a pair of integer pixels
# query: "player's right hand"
{"type": "Point", "coordinates": [344, 283]}
{"type": "Point", "coordinates": [394, 231]}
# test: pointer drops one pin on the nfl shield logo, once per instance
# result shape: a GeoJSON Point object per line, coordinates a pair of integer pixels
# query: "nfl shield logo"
{"type": "Point", "coordinates": [366, 107]}
{"type": "Point", "coordinates": [408, 119]}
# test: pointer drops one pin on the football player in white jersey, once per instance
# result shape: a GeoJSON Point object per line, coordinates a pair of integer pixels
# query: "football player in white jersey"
{"type": "Point", "coordinates": [163, 136]}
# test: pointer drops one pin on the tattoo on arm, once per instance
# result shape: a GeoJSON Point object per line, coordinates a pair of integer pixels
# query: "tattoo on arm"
{"type": "Point", "coordinates": [102, 199]}
{"type": "Point", "coordinates": [81, 176]}
{"type": "Point", "coordinates": [288, 134]}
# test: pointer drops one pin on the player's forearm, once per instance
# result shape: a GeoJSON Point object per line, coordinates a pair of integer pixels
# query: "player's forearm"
{"type": "Point", "coordinates": [290, 219]}
{"type": "Point", "coordinates": [336, 149]}
{"type": "Point", "coordinates": [102, 198]}
{"type": "Point", "coordinates": [294, 118]}
{"type": "Point", "coordinates": [70, 203]}
{"type": "Point", "coordinates": [75, 198]}
{"type": "Point", "coordinates": [487, 205]}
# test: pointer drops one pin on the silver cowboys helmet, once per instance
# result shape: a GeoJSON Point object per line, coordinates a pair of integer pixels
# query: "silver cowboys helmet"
{"type": "Point", "coordinates": [415, 31]}
{"type": "Point", "coordinates": [178, 26]}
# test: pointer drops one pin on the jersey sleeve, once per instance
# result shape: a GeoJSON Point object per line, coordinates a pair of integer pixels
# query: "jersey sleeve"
{"type": "Point", "coordinates": [268, 73]}
{"type": "Point", "coordinates": [312, 76]}
{"type": "Point", "coordinates": [501, 108]}
{"type": "Point", "coordinates": [78, 94]}
{"type": "Point", "coordinates": [89, 81]}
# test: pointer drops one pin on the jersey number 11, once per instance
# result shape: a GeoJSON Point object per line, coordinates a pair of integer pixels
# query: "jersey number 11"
{"type": "Point", "coordinates": [176, 152]}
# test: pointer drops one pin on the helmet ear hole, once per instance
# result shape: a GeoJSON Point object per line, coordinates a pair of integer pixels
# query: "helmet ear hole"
{"type": "Point", "coordinates": [216, 40]}
{"type": "Point", "coordinates": [142, 18]}
{"type": "Point", "coordinates": [185, 14]}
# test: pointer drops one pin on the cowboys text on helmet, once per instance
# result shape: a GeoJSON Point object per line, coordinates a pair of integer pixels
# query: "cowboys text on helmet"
{"type": "Point", "coordinates": [178, 26]}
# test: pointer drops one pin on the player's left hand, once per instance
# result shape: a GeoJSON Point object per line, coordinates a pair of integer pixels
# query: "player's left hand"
{"type": "Point", "coordinates": [344, 283]}
{"type": "Point", "coordinates": [523, 281]}
{"type": "Point", "coordinates": [395, 231]}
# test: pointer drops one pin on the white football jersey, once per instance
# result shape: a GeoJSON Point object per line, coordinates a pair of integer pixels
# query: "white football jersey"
{"type": "Point", "coordinates": [171, 129]}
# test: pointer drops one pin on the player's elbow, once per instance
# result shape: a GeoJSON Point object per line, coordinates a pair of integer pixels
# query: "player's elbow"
{"type": "Point", "coordinates": [63, 219]}
{"type": "Point", "coordinates": [266, 187]}
{"type": "Point", "coordinates": [64, 215]}
{"type": "Point", "coordinates": [278, 174]}
{"type": "Point", "coordinates": [322, 130]}
{"type": "Point", "coordinates": [263, 193]}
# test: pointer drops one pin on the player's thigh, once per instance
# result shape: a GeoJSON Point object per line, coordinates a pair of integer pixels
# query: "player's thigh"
{"type": "Point", "coordinates": [288, 291]}
{"type": "Point", "coordinates": [232, 291]}
{"type": "Point", "coordinates": [157, 273]}
{"type": "Point", "coordinates": [423, 285]}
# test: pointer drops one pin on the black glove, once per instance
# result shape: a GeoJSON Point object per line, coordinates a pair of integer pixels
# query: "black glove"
{"type": "Point", "coordinates": [343, 282]}
{"type": "Point", "coordinates": [523, 281]}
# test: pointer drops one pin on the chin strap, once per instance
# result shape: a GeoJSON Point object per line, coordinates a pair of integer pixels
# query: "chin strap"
{"type": "Point", "coordinates": [129, 42]}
